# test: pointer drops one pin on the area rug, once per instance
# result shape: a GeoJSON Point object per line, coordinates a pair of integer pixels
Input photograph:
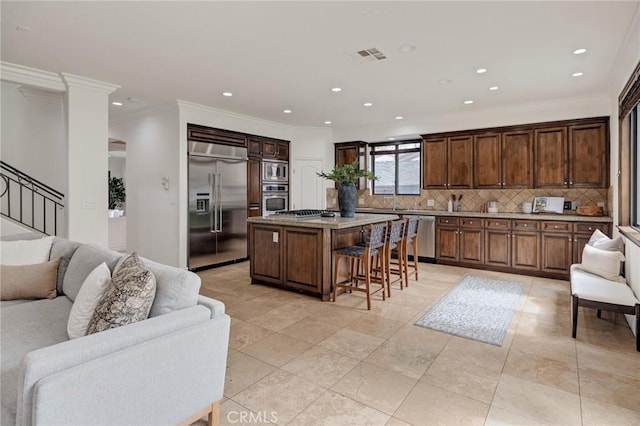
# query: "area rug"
{"type": "Point", "coordinates": [476, 308]}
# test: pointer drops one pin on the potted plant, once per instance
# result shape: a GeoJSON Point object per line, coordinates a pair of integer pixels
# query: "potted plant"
{"type": "Point", "coordinates": [346, 177]}
{"type": "Point", "coordinates": [117, 196]}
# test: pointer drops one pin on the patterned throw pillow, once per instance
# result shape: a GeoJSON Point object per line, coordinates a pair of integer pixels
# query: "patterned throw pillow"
{"type": "Point", "coordinates": [128, 298]}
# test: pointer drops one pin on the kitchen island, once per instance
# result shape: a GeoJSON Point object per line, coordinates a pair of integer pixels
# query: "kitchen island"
{"type": "Point", "coordinates": [295, 253]}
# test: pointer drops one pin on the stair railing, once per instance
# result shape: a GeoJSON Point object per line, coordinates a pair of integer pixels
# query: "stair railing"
{"type": "Point", "coordinates": [30, 202]}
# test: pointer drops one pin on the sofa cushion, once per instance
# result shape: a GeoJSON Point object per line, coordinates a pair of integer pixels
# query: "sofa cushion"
{"type": "Point", "coordinates": [602, 262]}
{"type": "Point", "coordinates": [176, 288]}
{"type": "Point", "coordinates": [593, 287]}
{"type": "Point", "coordinates": [26, 327]}
{"type": "Point", "coordinates": [25, 252]}
{"type": "Point", "coordinates": [65, 249]}
{"type": "Point", "coordinates": [29, 281]}
{"type": "Point", "coordinates": [84, 260]}
{"type": "Point", "coordinates": [87, 300]}
{"type": "Point", "coordinates": [603, 242]}
{"type": "Point", "coordinates": [128, 298]}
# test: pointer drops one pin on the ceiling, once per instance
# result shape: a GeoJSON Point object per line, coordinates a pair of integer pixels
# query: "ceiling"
{"type": "Point", "coordinates": [288, 55]}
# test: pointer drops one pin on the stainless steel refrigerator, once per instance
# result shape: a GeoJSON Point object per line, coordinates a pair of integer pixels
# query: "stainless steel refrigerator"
{"type": "Point", "coordinates": [217, 204]}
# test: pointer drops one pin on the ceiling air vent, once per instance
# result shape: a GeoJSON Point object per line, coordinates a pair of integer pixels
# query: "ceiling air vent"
{"type": "Point", "coordinates": [372, 54]}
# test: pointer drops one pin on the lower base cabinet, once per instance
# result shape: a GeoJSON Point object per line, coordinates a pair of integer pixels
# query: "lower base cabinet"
{"type": "Point", "coordinates": [543, 248]}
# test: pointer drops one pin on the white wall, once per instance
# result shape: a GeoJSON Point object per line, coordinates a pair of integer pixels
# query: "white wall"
{"type": "Point", "coordinates": [33, 133]}
{"type": "Point", "coordinates": [153, 152]}
{"type": "Point", "coordinates": [309, 144]}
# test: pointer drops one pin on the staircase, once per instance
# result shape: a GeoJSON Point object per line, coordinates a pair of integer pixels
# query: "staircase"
{"type": "Point", "coordinates": [29, 202]}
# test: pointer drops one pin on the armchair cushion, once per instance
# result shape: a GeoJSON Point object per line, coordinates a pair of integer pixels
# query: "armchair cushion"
{"type": "Point", "coordinates": [29, 281]}
{"type": "Point", "coordinates": [593, 287]}
{"type": "Point", "coordinates": [87, 300]}
{"type": "Point", "coordinates": [602, 262]}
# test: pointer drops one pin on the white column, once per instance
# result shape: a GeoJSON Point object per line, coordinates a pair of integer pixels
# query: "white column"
{"type": "Point", "coordinates": [87, 108]}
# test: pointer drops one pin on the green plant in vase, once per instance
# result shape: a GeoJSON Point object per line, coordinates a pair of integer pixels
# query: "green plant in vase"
{"type": "Point", "coordinates": [346, 177]}
{"type": "Point", "coordinates": [117, 193]}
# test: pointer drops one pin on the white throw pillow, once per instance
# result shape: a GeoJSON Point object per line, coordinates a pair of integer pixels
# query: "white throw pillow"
{"type": "Point", "coordinates": [25, 252]}
{"type": "Point", "coordinates": [603, 242]}
{"type": "Point", "coordinates": [90, 293]}
{"type": "Point", "coordinates": [602, 262]}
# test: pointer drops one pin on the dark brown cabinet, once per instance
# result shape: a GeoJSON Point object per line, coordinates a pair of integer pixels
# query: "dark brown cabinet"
{"type": "Point", "coordinates": [459, 240]}
{"type": "Point", "coordinates": [448, 162]}
{"type": "Point", "coordinates": [588, 156]}
{"type": "Point", "coordinates": [561, 154]}
{"type": "Point", "coordinates": [497, 248]}
{"type": "Point", "coordinates": [254, 147]}
{"type": "Point", "coordinates": [275, 149]}
{"type": "Point", "coordinates": [254, 196]}
{"type": "Point", "coordinates": [582, 232]}
{"type": "Point", "coordinates": [347, 153]}
{"type": "Point", "coordinates": [211, 135]}
{"type": "Point", "coordinates": [266, 239]}
{"type": "Point", "coordinates": [303, 254]}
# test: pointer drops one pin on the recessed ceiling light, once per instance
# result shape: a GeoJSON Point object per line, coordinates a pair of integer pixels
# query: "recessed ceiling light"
{"type": "Point", "coordinates": [327, 122]}
{"type": "Point", "coordinates": [116, 103]}
{"type": "Point", "coordinates": [367, 104]}
{"type": "Point", "coordinates": [493, 88]}
{"type": "Point", "coordinates": [391, 139]}
{"type": "Point", "coordinates": [577, 74]}
{"type": "Point", "coordinates": [469, 102]}
{"type": "Point", "coordinates": [287, 111]}
{"type": "Point", "coordinates": [407, 48]}
{"type": "Point", "coordinates": [227, 94]}
{"type": "Point", "coordinates": [444, 81]}
{"type": "Point", "coordinates": [399, 117]}
{"type": "Point", "coordinates": [336, 89]}
{"type": "Point", "coordinates": [579, 51]}
{"type": "Point", "coordinates": [481, 70]}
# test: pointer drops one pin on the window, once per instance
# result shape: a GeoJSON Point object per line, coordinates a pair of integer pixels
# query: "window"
{"type": "Point", "coordinates": [397, 167]}
{"type": "Point", "coordinates": [634, 138]}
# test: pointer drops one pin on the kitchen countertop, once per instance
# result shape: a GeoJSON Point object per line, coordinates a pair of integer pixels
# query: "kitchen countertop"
{"type": "Point", "coordinates": [569, 217]}
{"type": "Point", "coordinates": [336, 222]}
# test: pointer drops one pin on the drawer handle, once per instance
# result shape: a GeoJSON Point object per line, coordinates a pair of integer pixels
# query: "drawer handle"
{"type": "Point", "coordinates": [589, 228]}
{"type": "Point", "coordinates": [497, 224]}
{"type": "Point", "coordinates": [525, 225]}
{"type": "Point", "coordinates": [556, 227]}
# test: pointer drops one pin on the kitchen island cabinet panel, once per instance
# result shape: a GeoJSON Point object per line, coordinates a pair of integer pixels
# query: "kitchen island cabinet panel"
{"type": "Point", "coordinates": [266, 239]}
{"type": "Point", "coordinates": [303, 255]}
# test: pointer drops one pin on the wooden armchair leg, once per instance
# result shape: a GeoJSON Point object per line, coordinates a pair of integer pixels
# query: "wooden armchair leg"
{"type": "Point", "coordinates": [212, 412]}
{"type": "Point", "coordinates": [574, 314]}
{"type": "Point", "coordinates": [599, 313]}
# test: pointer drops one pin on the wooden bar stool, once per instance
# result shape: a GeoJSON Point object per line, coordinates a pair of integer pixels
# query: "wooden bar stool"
{"type": "Point", "coordinates": [395, 241]}
{"type": "Point", "coordinates": [363, 254]}
{"type": "Point", "coordinates": [411, 240]}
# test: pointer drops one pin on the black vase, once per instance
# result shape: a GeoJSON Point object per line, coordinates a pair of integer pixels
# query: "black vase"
{"type": "Point", "coordinates": [347, 199]}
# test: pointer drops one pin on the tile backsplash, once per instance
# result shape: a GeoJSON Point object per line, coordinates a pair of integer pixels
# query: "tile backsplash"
{"type": "Point", "coordinates": [509, 200]}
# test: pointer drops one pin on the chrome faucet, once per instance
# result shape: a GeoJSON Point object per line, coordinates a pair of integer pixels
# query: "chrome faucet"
{"type": "Point", "coordinates": [394, 206]}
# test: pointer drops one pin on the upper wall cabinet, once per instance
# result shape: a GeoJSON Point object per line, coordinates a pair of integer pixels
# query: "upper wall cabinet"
{"type": "Point", "coordinates": [448, 162]}
{"type": "Point", "coordinates": [267, 148]}
{"type": "Point", "coordinates": [563, 154]}
{"type": "Point", "coordinates": [211, 135]}
{"type": "Point", "coordinates": [347, 153]}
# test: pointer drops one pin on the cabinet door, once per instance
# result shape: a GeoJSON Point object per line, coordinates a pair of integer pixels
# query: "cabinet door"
{"type": "Point", "coordinates": [347, 154]}
{"type": "Point", "coordinates": [517, 160]}
{"type": "Point", "coordinates": [303, 258]}
{"type": "Point", "coordinates": [269, 149]}
{"type": "Point", "coordinates": [254, 147]}
{"type": "Point", "coordinates": [579, 241]}
{"type": "Point", "coordinates": [283, 151]}
{"type": "Point", "coordinates": [447, 243]}
{"type": "Point", "coordinates": [253, 182]}
{"type": "Point", "coordinates": [460, 162]}
{"type": "Point", "coordinates": [486, 164]}
{"type": "Point", "coordinates": [471, 248]}
{"type": "Point", "coordinates": [434, 160]}
{"type": "Point", "coordinates": [557, 253]}
{"type": "Point", "coordinates": [497, 248]}
{"type": "Point", "coordinates": [588, 160]}
{"type": "Point", "coordinates": [266, 253]}
{"type": "Point", "coordinates": [551, 157]}
{"type": "Point", "coordinates": [525, 250]}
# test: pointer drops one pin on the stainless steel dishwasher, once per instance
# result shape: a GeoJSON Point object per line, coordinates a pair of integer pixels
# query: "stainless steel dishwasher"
{"type": "Point", "coordinates": [427, 239]}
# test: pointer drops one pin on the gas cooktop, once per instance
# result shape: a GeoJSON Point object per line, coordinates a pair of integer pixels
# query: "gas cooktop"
{"type": "Point", "coordinates": [302, 213]}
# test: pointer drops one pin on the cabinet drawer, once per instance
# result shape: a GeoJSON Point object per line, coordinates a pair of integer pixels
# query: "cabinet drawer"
{"type": "Point", "coordinates": [496, 223]}
{"type": "Point", "coordinates": [452, 221]}
{"type": "Point", "coordinates": [556, 226]}
{"type": "Point", "coordinates": [589, 227]}
{"type": "Point", "coordinates": [525, 225]}
{"type": "Point", "coordinates": [471, 222]}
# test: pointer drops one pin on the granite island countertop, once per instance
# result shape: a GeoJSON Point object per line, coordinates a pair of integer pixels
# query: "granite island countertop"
{"type": "Point", "coordinates": [568, 217]}
{"type": "Point", "coordinates": [336, 222]}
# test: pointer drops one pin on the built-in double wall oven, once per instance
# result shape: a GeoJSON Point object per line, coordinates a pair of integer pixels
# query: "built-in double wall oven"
{"type": "Point", "coordinates": [275, 197]}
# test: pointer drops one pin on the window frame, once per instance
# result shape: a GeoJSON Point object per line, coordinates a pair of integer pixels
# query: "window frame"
{"type": "Point", "coordinates": [634, 190]}
{"type": "Point", "coordinates": [397, 150]}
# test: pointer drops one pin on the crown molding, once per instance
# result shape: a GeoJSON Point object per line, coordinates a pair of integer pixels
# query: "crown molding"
{"type": "Point", "coordinates": [186, 105]}
{"type": "Point", "coordinates": [41, 95]}
{"type": "Point", "coordinates": [99, 86]}
{"type": "Point", "coordinates": [31, 76]}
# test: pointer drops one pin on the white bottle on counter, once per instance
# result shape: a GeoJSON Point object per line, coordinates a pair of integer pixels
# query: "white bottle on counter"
{"type": "Point", "coordinates": [449, 206]}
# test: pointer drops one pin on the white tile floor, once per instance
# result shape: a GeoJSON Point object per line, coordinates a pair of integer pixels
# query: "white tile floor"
{"type": "Point", "coordinates": [296, 360]}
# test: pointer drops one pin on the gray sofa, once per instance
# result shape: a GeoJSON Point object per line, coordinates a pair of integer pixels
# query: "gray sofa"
{"type": "Point", "coordinates": [167, 369]}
